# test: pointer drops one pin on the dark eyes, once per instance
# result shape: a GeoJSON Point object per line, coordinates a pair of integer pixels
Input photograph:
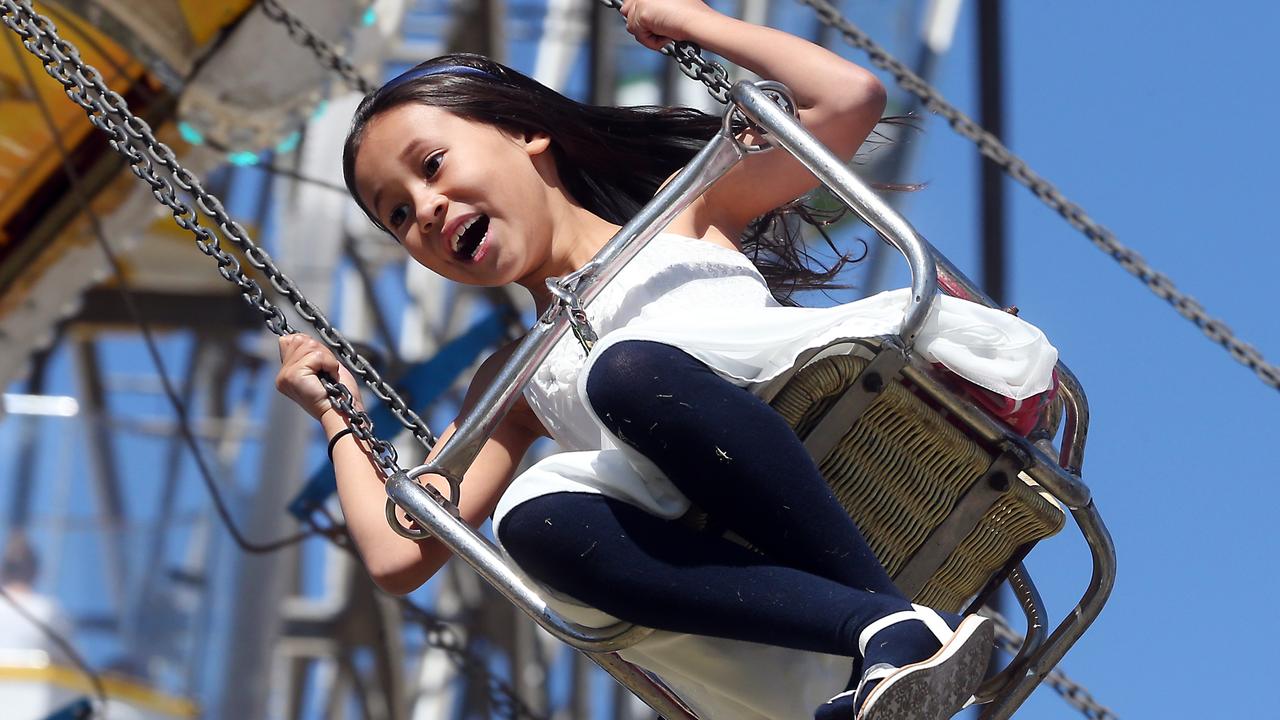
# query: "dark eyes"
{"type": "Point", "coordinates": [431, 165]}
{"type": "Point", "coordinates": [430, 168]}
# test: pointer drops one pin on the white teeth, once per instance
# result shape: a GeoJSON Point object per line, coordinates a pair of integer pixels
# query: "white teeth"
{"type": "Point", "coordinates": [456, 240]}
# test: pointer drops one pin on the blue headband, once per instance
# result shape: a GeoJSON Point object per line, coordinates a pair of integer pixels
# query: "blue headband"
{"type": "Point", "coordinates": [420, 72]}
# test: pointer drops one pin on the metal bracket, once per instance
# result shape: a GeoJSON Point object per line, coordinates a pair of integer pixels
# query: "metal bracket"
{"type": "Point", "coordinates": [854, 401]}
{"type": "Point", "coordinates": [975, 502]}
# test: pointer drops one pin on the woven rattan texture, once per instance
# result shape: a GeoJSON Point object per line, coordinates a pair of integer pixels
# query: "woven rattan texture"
{"type": "Point", "coordinates": [901, 469]}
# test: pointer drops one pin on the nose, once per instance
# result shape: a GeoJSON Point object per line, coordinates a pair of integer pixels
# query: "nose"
{"type": "Point", "coordinates": [431, 214]}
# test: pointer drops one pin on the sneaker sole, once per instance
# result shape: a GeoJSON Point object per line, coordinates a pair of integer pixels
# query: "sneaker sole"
{"type": "Point", "coordinates": [939, 687]}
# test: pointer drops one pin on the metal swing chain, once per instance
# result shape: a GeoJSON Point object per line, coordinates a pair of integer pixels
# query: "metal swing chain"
{"type": "Point", "coordinates": [442, 636]}
{"type": "Point", "coordinates": [1017, 168]}
{"type": "Point", "coordinates": [1075, 694]}
{"type": "Point", "coordinates": [133, 138]}
{"type": "Point", "coordinates": [713, 75]}
{"type": "Point", "coordinates": [689, 57]}
{"type": "Point", "coordinates": [84, 85]}
{"type": "Point", "coordinates": [328, 55]}
{"type": "Point", "coordinates": [687, 54]}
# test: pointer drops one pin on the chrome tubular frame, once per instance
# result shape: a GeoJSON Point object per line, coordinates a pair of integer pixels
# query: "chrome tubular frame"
{"type": "Point", "coordinates": [1059, 476]}
{"type": "Point", "coordinates": [787, 132]}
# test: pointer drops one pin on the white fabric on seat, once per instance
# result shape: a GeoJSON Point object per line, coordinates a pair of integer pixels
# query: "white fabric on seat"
{"type": "Point", "coordinates": [712, 303]}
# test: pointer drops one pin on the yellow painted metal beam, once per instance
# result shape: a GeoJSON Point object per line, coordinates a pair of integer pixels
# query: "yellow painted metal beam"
{"type": "Point", "coordinates": [121, 689]}
{"type": "Point", "coordinates": [28, 154]}
{"type": "Point", "coordinates": [205, 19]}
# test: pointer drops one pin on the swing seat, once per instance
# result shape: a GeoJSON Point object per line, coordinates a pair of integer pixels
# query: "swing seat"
{"type": "Point", "coordinates": [944, 512]}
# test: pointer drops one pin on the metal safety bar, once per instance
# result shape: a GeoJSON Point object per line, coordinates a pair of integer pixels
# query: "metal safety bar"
{"type": "Point", "coordinates": [788, 133]}
{"type": "Point", "coordinates": [1058, 476]}
{"type": "Point", "coordinates": [709, 165]}
{"type": "Point", "coordinates": [459, 451]}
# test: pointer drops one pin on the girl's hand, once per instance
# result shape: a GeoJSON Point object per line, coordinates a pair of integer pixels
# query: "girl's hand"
{"type": "Point", "coordinates": [657, 22]}
{"type": "Point", "coordinates": [301, 359]}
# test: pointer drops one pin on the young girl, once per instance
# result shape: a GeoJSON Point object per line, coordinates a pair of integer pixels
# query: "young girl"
{"type": "Point", "coordinates": [488, 178]}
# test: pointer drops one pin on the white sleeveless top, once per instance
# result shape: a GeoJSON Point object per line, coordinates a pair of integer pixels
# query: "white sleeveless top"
{"type": "Point", "coordinates": [711, 302]}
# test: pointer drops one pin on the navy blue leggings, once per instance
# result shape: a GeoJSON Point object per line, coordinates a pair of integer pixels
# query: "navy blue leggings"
{"type": "Point", "coordinates": [817, 583]}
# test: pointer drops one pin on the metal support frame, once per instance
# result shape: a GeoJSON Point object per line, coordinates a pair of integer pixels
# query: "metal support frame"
{"type": "Point", "coordinates": [106, 479]}
{"type": "Point", "coordinates": [1056, 475]}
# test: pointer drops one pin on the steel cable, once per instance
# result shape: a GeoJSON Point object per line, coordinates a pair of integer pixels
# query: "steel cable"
{"type": "Point", "coordinates": [64, 645]}
{"type": "Point", "coordinates": [1075, 694]}
{"type": "Point", "coordinates": [1017, 168]}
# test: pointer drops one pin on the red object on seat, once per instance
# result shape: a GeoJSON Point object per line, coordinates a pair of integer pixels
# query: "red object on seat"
{"type": "Point", "coordinates": [1021, 415]}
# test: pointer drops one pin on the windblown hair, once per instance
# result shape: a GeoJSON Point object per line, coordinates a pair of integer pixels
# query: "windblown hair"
{"type": "Point", "coordinates": [611, 159]}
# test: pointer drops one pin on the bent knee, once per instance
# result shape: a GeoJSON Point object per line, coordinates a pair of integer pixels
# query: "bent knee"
{"type": "Point", "coordinates": [551, 536]}
{"type": "Point", "coordinates": [631, 371]}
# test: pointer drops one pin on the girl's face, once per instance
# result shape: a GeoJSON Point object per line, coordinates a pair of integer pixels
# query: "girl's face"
{"type": "Point", "coordinates": [464, 198]}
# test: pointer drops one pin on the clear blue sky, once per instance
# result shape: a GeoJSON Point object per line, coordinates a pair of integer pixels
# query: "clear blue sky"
{"type": "Point", "coordinates": [1154, 117]}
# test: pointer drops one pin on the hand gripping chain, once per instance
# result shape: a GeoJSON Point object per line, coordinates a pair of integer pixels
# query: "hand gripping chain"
{"type": "Point", "coordinates": [1017, 168]}
{"type": "Point", "coordinates": [689, 57]}
{"type": "Point", "coordinates": [687, 54]}
{"type": "Point", "coordinates": [133, 138]}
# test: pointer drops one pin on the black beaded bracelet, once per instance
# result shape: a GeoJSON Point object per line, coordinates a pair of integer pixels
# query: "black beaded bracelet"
{"type": "Point", "coordinates": [334, 440]}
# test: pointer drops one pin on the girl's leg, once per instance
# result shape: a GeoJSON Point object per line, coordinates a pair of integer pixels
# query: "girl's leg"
{"type": "Point", "coordinates": [734, 457]}
{"type": "Point", "coordinates": [664, 575]}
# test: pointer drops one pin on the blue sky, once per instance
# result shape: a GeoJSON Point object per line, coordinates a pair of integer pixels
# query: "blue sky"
{"type": "Point", "coordinates": [1153, 117]}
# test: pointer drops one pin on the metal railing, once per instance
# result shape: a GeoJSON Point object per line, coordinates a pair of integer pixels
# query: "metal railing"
{"type": "Point", "coordinates": [762, 105]}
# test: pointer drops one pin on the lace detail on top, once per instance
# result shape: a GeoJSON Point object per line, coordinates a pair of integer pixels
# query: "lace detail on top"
{"type": "Point", "coordinates": [670, 278]}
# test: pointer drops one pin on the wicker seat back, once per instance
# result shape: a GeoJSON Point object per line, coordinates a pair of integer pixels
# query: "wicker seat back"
{"type": "Point", "coordinates": [900, 470]}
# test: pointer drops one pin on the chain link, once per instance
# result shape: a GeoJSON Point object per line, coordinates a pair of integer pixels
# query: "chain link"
{"type": "Point", "coordinates": [133, 138]}
{"type": "Point", "coordinates": [443, 636]}
{"type": "Point", "coordinates": [84, 85]}
{"type": "Point", "coordinates": [687, 54]}
{"type": "Point", "coordinates": [329, 55]}
{"type": "Point", "coordinates": [689, 57]}
{"type": "Point", "coordinates": [1071, 691]}
{"type": "Point", "coordinates": [993, 149]}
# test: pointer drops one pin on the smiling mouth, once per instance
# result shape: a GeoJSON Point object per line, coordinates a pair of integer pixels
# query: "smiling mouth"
{"type": "Point", "coordinates": [466, 244]}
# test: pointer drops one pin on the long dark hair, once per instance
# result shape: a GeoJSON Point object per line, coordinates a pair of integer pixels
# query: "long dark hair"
{"type": "Point", "coordinates": [611, 159]}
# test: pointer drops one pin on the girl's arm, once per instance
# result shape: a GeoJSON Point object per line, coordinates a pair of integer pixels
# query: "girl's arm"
{"type": "Point", "coordinates": [839, 102]}
{"type": "Point", "coordinates": [397, 564]}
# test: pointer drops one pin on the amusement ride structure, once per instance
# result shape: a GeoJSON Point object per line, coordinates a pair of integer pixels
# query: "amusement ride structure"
{"type": "Point", "coordinates": [228, 588]}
